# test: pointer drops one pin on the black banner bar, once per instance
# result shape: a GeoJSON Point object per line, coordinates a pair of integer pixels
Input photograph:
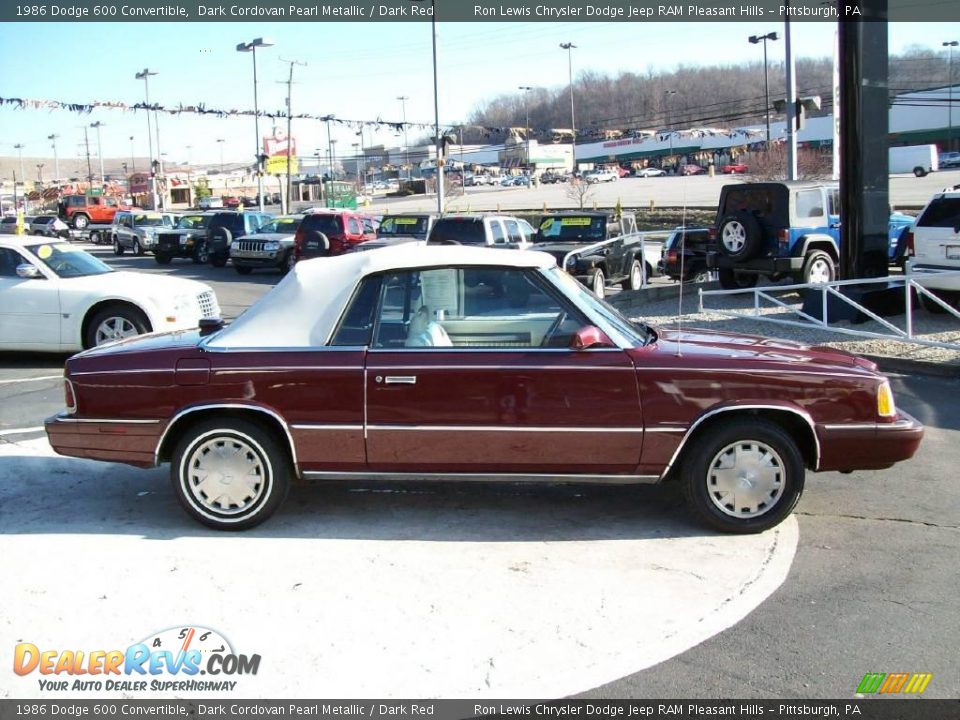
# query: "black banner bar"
{"type": "Point", "coordinates": [865, 709]}
{"type": "Point", "coordinates": [639, 11]}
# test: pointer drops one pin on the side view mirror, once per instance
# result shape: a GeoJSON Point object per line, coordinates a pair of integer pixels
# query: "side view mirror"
{"type": "Point", "coordinates": [29, 272]}
{"type": "Point", "coordinates": [590, 336]}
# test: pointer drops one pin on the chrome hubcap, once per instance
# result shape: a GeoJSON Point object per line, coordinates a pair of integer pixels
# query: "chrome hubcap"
{"type": "Point", "coordinates": [819, 272]}
{"type": "Point", "coordinates": [734, 236]}
{"type": "Point", "coordinates": [598, 285]}
{"type": "Point", "coordinates": [115, 328]}
{"type": "Point", "coordinates": [745, 479]}
{"type": "Point", "coordinates": [225, 475]}
{"type": "Point", "coordinates": [636, 279]}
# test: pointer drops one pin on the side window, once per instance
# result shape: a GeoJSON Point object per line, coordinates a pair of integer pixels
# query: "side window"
{"type": "Point", "coordinates": [513, 231]}
{"type": "Point", "coordinates": [834, 197]}
{"type": "Point", "coordinates": [9, 259]}
{"type": "Point", "coordinates": [357, 323]}
{"type": "Point", "coordinates": [943, 212]}
{"type": "Point", "coordinates": [809, 204]}
{"type": "Point", "coordinates": [471, 307]}
{"type": "Point", "coordinates": [354, 227]}
{"type": "Point", "coordinates": [497, 232]}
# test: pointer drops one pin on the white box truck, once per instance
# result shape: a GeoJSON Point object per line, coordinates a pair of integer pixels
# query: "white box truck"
{"type": "Point", "coordinates": [916, 159]}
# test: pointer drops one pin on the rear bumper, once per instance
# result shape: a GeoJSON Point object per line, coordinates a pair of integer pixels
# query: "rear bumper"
{"type": "Point", "coordinates": [868, 446]}
{"type": "Point", "coordinates": [131, 441]}
{"type": "Point", "coordinates": [760, 266]}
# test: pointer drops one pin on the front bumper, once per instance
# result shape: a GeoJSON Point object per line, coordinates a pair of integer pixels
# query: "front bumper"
{"type": "Point", "coordinates": [868, 446]}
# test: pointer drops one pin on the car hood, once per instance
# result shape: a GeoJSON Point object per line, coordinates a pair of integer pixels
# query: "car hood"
{"type": "Point", "coordinates": [713, 346]}
{"type": "Point", "coordinates": [137, 285]}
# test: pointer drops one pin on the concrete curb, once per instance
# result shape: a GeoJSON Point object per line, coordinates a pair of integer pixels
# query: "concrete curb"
{"type": "Point", "coordinates": [907, 366]}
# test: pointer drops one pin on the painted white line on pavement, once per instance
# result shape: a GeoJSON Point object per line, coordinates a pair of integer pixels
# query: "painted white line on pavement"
{"type": "Point", "coordinates": [21, 431]}
{"type": "Point", "coordinates": [32, 379]}
{"type": "Point", "coordinates": [464, 593]}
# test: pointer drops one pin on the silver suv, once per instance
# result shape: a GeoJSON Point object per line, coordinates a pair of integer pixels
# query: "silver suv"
{"type": "Point", "coordinates": [936, 246]}
{"type": "Point", "coordinates": [137, 230]}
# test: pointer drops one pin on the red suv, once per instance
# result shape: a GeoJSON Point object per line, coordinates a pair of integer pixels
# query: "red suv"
{"type": "Point", "coordinates": [331, 232]}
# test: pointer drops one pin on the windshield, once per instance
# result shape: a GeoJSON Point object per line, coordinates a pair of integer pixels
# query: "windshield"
{"type": "Point", "coordinates": [281, 225]}
{"type": "Point", "coordinates": [584, 228]}
{"type": "Point", "coordinates": [68, 261]}
{"type": "Point", "coordinates": [194, 222]}
{"type": "Point", "coordinates": [148, 220]}
{"type": "Point", "coordinates": [631, 333]}
{"type": "Point", "coordinates": [395, 225]}
{"type": "Point", "coordinates": [464, 230]}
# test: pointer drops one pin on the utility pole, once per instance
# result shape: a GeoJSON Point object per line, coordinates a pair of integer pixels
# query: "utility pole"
{"type": "Point", "coordinates": [791, 83]}
{"type": "Point", "coordinates": [570, 47]}
{"type": "Point", "coordinates": [86, 145]}
{"type": "Point", "coordinates": [145, 76]}
{"type": "Point", "coordinates": [289, 84]}
{"type": "Point", "coordinates": [406, 148]}
{"type": "Point", "coordinates": [133, 157]}
{"type": "Point", "coordinates": [328, 118]}
{"type": "Point", "coordinates": [99, 125]}
{"type": "Point", "coordinates": [436, 112]}
{"type": "Point", "coordinates": [23, 178]}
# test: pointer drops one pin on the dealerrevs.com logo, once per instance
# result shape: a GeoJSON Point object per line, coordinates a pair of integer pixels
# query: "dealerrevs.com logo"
{"type": "Point", "coordinates": [178, 659]}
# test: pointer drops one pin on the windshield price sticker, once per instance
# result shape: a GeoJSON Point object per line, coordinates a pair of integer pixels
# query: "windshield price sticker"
{"type": "Point", "coordinates": [405, 221]}
{"type": "Point", "coordinates": [44, 252]}
{"type": "Point", "coordinates": [576, 221]}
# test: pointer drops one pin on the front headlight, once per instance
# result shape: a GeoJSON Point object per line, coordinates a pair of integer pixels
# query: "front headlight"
{"type": "Point", "coordinates": [885, 405]}
{"type": "Point", "coordinates": [271, 246]}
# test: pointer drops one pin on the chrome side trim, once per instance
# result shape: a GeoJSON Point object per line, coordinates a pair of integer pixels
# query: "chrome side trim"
{"type": "Point", "coordinates": [106, 421]}
{"type": "Point", "coordinates": [665, 429]}
{"type": "Point", "coordinates": [204, 345]}
{"type": "Point", "coordinates": [283, 368]}
{"type": "Point", "coordinates": [123, 372]}
{"type": "Point", "coordinates": [316, 426]}
{"type": "Point", "coordinates": [591, 368]}
{"type": "Point", "coordinates": [228, 406]}
{"type": "Point", "coordinates": [731, 408]}
{"type": "Point", "coordinates": [896, 425]}
{"type": "Point", "coordinates": [748, 371]}
{"type": "Point", "coordinates": [435, 350]}
{"type": "Point", "coordinates": [504, 428]}
{"type": "Point", "coordinates": [484, 477]}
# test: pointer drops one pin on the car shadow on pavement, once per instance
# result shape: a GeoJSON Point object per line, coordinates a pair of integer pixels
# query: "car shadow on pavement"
{"type": "Point", "coordinates": [32, 360]}
{"type": "Point", "coordinates": [55, 495]}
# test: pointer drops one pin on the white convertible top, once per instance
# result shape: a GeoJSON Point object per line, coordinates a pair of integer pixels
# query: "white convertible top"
{"type": "Point", "coordinates": [302, 309]}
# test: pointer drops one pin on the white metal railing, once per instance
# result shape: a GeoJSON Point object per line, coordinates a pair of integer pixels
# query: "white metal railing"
{"type": "Point", "coordinates": [912, 283]}
{"type": "Point", "coordinates": [627, 239]}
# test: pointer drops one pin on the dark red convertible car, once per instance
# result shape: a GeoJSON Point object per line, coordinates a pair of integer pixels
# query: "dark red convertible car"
{"type": "Point", "coordinates": [454, 363]}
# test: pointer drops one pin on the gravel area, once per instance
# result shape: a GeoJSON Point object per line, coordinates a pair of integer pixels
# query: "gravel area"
{"type": "Point", "coordinates": [941, 328]}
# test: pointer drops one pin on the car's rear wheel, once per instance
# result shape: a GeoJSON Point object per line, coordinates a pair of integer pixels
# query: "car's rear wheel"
{"type": "Point", "coordinates": [919, 172]}
{"type": "Point", "coordinates": [289, 262]}
{"type": "Point", "coordinates": [137, 248]}
{"type": "Point", "coordinates": [80, 221]}
{"type": "Point", "coordinates": [95, 237]}
{"type": "Point", "coordinates": [634, 281]}
{"type": "Point", "coordinates": [598, 283]}
{"type": "Point", "coordinates": [115, 322]}
{"type": "Point", "coordinates": [731, 280]}
{"type": "Point", "coordinates": [819, 268]}
{"type": "Point", "coordinates": [230, 474]}
{"type": "Point", "coordinates": [117, 247]}
{"type": "Point", "coordinates": [740, 236]}
{"type": "Point", "coordinates": [743, 475]}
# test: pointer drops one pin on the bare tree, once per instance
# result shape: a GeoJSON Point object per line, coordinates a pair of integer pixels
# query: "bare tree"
{"type": "Point", "coordinates": [580, 191]}
{"type": "Point", "coordinates": [772, 166]}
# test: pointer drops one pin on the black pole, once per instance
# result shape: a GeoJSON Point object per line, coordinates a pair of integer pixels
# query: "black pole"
{"type": "Point", "coordinates": [766, 91]}
{"type": "Point", "coordinates": [864, 130]}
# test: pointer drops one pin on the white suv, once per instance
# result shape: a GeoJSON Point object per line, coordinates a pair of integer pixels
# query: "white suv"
{"type": "Point", "coordinates": [936, 244]}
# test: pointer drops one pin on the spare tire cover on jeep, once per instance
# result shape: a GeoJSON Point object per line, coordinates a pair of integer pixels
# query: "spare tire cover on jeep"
{"type": "Point", "coordinates": [740, 236]}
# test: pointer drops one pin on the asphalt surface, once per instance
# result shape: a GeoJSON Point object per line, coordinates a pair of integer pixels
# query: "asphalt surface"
{"type": "Point", "coordinates": [872, 588]}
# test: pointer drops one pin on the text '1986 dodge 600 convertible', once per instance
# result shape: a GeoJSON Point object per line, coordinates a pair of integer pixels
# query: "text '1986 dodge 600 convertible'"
{"type": "Point", "coordinates": [455, 363]}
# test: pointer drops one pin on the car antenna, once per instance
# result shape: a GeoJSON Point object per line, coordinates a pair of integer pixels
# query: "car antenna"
{"type": "Point", "coordinates": [683, 252]}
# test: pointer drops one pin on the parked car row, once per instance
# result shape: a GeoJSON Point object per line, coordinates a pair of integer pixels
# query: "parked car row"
{"type": "Point", "coordinates": [45, 225]}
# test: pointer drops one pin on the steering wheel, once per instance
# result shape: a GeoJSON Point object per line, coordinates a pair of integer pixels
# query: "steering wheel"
{"type": "Point", "coordinates": [552, 330]}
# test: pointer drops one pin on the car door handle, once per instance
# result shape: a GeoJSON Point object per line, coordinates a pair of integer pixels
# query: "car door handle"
{"type": "Point", "coordinates": [400, 379]}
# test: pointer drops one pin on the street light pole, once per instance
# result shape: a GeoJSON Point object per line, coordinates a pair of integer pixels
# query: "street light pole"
{"type": "Point", "coordinates": [251, 47]}
{"type": "Point", "coordinates": [40, 173]}
{"type": "Point", "coordinates": [754, 39]}
{"type": "Point", "coordinates": [133, 157]}
{"type": "Point", "coordinates": [950, 45]}
{"type": "Point", "coordinates": [56, 160]}
{"type": "Point", "coordinates": [145, 76]}
{"type": "Point", "coordinates": [569, 47]}
{"type": "Point", "coordinates": [406, 148]}
{"type": "Point", "coordinates": [526, 114]}
{"type": "Point", "coordinates": [667, 94]}
{"type": "Point", "coordinates": [436, 112]}
{"type": "Point", "coordinates": [97, 125]}
{"type": "Point", "coordinates": [19, 148]}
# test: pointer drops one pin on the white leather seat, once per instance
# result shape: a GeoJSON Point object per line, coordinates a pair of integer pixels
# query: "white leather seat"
{"type": "Point", "coordinates": [424, 332]}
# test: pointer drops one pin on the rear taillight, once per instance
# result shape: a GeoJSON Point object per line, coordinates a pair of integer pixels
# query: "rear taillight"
{"type": "Point", "coordinates": [299, 238]}
{"type": "Point", "coordinates": [909, 244]}
{"type": "Point", "coordinates": [712, 233]}
{"type": "Point", "coordinates": [69, 397]}
{"type": "Point", "coordinates": [783, 237]}
{"type": "Point", "coordinates": [672, 256]}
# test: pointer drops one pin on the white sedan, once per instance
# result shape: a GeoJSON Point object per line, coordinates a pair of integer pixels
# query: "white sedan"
{"type": "Point", "coordinates": [56, 297]}
{"type": "Point", "coordinates": [599, 176]}
{"type": "Point", "coordinates": [649, 172]}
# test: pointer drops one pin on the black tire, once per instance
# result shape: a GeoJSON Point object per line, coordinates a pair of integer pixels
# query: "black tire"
{"type": "Point", "coordinates": [200, 255]}
{"type": "Point", "coordinates": [243, 270]}
{"type": "Point", "coordinates": [219, 259]}
{"type": "Point", "coordinates": [218, 248]}
{"type": "Point", "coordinates": [598, 283]}
{"type": "Point", "coordinates": [259, 449]}
{"type": "Point", "coordinates": [289, 262]}
{"type": "Point", "coordinates": [919, 172]}
{"type": "Point", "coordinates": [635, 279]}
{"type": "Point", "coordinates": [163, 258]}
{"type": "Point", "coordinates": [739, 236]}
{"type": "Point", "coordinates": [774, 464]}
{"type": "Point", "coordinates": [817, 266]}
{"type": "Point", "coordinates": [118, 249]}
{"type": "Point", "coordinates": [730, 280]}
{"type": "Point", "coordinates": [119, 314]}
{"type": "Point", "coordinates": [80, 221]}
{"type": "Point", "coordinates": [933, 308]}
{"type": "Point", "coordinates": [137, 248]}
{"type": "Point", "coordinates": [95, 237]}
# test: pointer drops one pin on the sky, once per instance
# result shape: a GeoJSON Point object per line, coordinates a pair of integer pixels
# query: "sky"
{"type": "Point", "coordinates": [353, 71]}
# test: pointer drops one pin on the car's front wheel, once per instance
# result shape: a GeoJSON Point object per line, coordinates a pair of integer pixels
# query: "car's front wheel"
{"type": "Point", "coordinates": [743, 475]}
{"type": "Point", "coordinates": [598, 283]}
{"type": "Point", "coordinates": [163, 258]}
{"type": "Point", "coordinates": [634, 281]}
{"type": "Point", "coordinates": [115, 322]}
{"type": "Point", "coordinates": [137, 247]}
{"type": "Point", "coordinates": [117, 247]}
{"type": "Point", "coordinates": [230, 474]}
{"type": "Point", "coordinates": [819, 268]}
